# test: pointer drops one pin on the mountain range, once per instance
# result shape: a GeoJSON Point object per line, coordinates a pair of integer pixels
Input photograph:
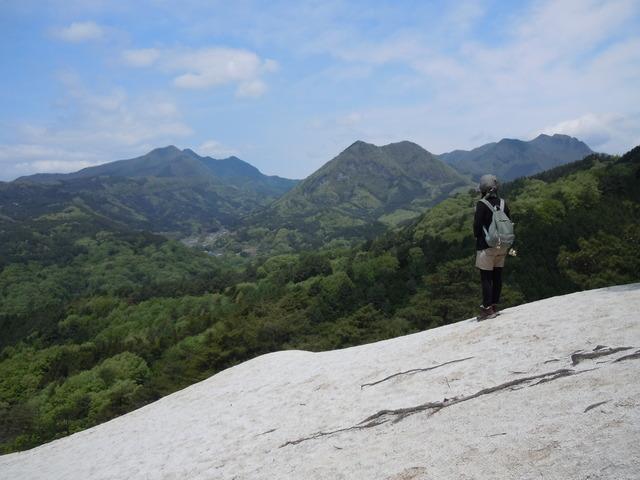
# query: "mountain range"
{"type": "Point", "coordinates": [167, 190]}
{"type": "Point", "coordinates": [362, 191]}
{"type": "Point", "coordinates": [367, 188]}
{"type": "Point", "coordinates": [358, 194]}
{"type": "Point", "coordinates": [171, 162]}
{"type": "Point", "coordinates": [510, 158]}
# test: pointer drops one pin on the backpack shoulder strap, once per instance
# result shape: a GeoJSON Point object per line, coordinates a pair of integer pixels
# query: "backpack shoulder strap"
{"type": "Point", "coordinates": [486, 202]}
{"type": "Point", "coordinates": [502, 204]}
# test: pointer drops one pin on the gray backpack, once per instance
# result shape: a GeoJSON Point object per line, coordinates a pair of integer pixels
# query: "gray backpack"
{"type": "Point", "coordinates": [500, 233]}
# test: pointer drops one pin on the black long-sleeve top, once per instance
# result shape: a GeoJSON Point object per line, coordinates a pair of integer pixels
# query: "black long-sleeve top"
{"type": "Point", "coordinates": [483, 218]}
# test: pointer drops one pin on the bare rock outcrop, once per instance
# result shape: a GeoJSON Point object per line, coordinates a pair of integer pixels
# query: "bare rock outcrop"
{"type": "Point", "coordinates": [546, 390]}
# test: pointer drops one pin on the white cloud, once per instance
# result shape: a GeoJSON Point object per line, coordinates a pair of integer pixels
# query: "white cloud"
{"type": "Point", "coordinates": [555, 28]}
{"type": "Point", "coordinates": [211, 67]}
{"type": "Point", "coordinates": [216, 64]}
{"type": "Point", "coordinates": [215, 149]}
{"type": "Point", "coordinates": [464, 14]}
{"type": "Point", "coordinates": [252, 89]}
{"type": "Point", "coordinates": [545, 38]}
{"type": "Point", "coordinates": [208, 67]}
{"type": "Point", "coordinates": [399, 47]}
{"type": "Point", "coordinates": [555, 60]}
{"type": "Point", "coordinates": [270, 65]}
{"type": "Point", "coordinates": [142, 57]}
{"type": "Point", "coordinates": [80, 32]}
{"type": "Point", "coordinates": [606, 132]}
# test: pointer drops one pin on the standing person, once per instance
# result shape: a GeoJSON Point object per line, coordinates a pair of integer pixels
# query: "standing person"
{"type": "Point", "coordinates": [490, 259]}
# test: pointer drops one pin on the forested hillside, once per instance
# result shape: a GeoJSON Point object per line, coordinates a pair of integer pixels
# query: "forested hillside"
{"type": "Point", "coordinates": [355, 196]}
{"type": "Point", "coordinates": [168, 190]}
{"type": "Point", "coordinates": [116, 319]}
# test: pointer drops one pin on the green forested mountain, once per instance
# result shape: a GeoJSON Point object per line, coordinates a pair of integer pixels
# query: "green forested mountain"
{"type": "Point", "coordinates": [361, 192]}
{"type": "Point", "coordinates": [116, 319]}
{"type": "Point", "coordinates": [510, 159]}
{"type": "Point", "coordinates": [49, 260]}
{"type": "Point", "coordinates": [167, 190]}
{"type": "Point", "coordinates": [54, 262]}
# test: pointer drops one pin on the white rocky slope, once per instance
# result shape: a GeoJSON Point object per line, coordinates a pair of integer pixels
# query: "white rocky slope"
{"type": "Point", "coordinates": [545, 391]}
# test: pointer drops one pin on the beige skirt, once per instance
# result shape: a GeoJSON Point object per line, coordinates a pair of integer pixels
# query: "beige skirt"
{"type": "Point", "coordinates": [491, 258]}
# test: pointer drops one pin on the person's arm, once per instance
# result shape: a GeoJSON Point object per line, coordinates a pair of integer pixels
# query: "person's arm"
{"type": "Point", "coordinates": [478, 220]}
{"type": "Point", "coordinates": [512, 250]}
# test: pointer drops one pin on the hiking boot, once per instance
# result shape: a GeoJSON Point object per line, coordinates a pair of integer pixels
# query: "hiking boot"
{"type": "Point", "coordinates": [485, 313]}
{"type": "Point", "coordinates": [495, 310]}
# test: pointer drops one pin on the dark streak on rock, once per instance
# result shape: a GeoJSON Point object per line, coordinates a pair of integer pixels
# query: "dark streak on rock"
{"type": "Point", "coordinates": [595, 405]}
{"type": "Point", "coordinates": [578, 357]}
{"type": "Point", "coordinates": [552, 360]}
{"type": "Point", "coordinates": [333, 432]}
{"type": "Point", "coordinates": [383, 416]}
{"type": "Point", "coordinates": [632, 356]}
{"type": "Point", "coordinates": [415, 370]}
{"type": "Point", "coordinates": [268, 431]}
{"type": "Point", "coordinates": [437, 406]}
{"type": "Point", "coordinates": [560, 374]}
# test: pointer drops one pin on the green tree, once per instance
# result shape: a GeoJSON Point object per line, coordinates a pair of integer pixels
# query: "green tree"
{"type": "Point", "coordinates": [603, 259]}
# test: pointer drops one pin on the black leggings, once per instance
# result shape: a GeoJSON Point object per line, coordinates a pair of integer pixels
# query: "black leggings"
{"type": "Point", "coordinates": [491, 286]}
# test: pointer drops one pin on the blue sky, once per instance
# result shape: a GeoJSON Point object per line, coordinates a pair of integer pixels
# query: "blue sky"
{"type": "Point", "coordinates": [287, 85]}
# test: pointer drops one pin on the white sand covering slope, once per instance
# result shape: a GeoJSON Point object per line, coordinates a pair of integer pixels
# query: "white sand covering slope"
{"type": "Point", "coordinates": [508, 402]}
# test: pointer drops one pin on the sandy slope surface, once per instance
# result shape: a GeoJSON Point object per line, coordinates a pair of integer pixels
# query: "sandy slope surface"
{"type": "Point", "coordinates": [541, 392]}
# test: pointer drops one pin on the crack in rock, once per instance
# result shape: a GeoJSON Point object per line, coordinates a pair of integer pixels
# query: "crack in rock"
{"type": "Point", "coordinates": [402, 413]}
{"type": "Point", "coordinates": [599, 352]}
{"type": "Point", "coordinates": [560, 373]}
{"type": "Point", "coordinates": [414, 370]}
{"type": "Point", "coordinates": [595, 405]}
{"type": "Point", "coordinates": [631, 356]}
{"type": "Point", "coordinates": [332, 432]}
{"type": "Point", "coordinates": [384, 416]}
